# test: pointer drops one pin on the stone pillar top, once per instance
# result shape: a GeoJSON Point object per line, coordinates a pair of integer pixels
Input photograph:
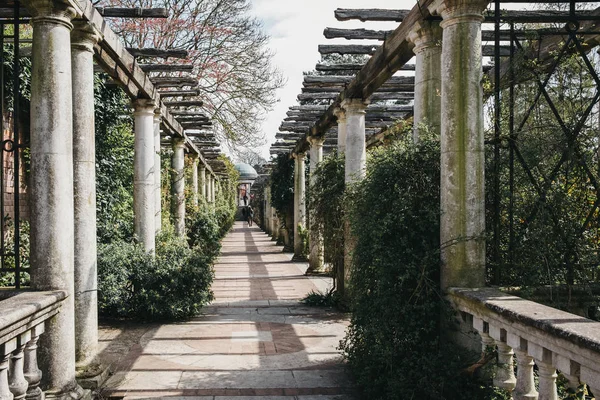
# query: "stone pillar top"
{"type": "Point", "coordinates": [143, 106]}
{"type": "Point", "coordinates": [425, 34]}
{"type": "Point", "coordinates": [454, 11]}
{"type": "Point", "coordinates": [298, 155]}
{"type": "Point", "coordinates": [63, 11]}
{"type": "Point", "coordinates": [316, 141]}
{"type": "Point", "coordinates": [340, 114]}
{"type": "Point", "coordinates": [355, 106]}
{"type": "Point", "coordinates": [157, 115]}
{"type": "Point", "coordinates": [84, 36]}
{"type": "Point", "coordinates": [178, 142]}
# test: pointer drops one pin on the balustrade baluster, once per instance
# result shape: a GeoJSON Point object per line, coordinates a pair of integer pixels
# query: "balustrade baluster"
{"type": "Point", "coordinates": [32, 373]}
{"type": "Point", "coordinates": [17, 383]}
{"type": "Point", "coordinates": [505, 373]}
{"type": "Point", "coordinates": [525, 387]}
{"type": "Point", "coordinates": [5, 351]}
{"type": "Point", "coordinates": [547, 378]}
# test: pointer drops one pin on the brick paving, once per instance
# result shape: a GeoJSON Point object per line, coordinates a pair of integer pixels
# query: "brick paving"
{"type": "Point", "coordinates": [256, 341]}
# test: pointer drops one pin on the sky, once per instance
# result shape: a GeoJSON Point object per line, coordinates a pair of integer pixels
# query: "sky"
{"type": "Point", "coordinates": [296, 30]}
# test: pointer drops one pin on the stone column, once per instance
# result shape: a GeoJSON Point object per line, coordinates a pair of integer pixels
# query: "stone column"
{"type": "Point", "coordinates": [195, 162]}
{"type": "Point", "coordinates": [427, 38]}
{"type": "Point", "coordinates": [342, 129]}
{"type": "Point", "coordinates": [462, 151]}
{"type": "Point", "coordinates": [355, 166]}
{"type": "Point", "coordinates": [299, 203]}
{"type": "Point", "coordinates": [356, 148]}
{"type": "Point", "coordinates": [202, 181]}
{"type": "Point", "coordinates": [212, 188]}
{"type": "Point", "coordinates": [83, 38]}
{"type": "Point", "coordinates": [178, 186]}
{"type": "Point", "coordinates": [143, 174]}
{"type": "Point", "coordinates": [317, 252]}
{"type": "Point", "coordinates": [267, 211]}
{"type": "Point", "coordinates": [52, 205]}
{"type": "Point", "coordinates": [157, 173]}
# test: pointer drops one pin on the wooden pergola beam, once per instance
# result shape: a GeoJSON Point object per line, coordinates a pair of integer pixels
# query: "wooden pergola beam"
{"type": "Point", "coordinates": [184, 103]}
{"type": "Point", "coordinates": [172, 81]}
{"type": "Point", "coordinates": [346, 14]}
{"type": "Point", "coordinates": [167, 67]}
{"type": "Point", "coordinates": [132, 12]}
{"type": "Point", "coordinates": [161, 53]}
{"type": "Point", "coordinates": [381, 96]}
{"type": "Point", "coordinates": [487, 50]}
{"type": "Point", "coordinates": [179, 93]}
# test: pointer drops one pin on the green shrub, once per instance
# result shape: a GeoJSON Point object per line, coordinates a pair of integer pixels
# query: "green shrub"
{"type": "Point", "coordinates": [203, 229]}
{"type": "Point", "coordinates": [393, 346]}
{"type": "Point", "coordinates": [174, 285]}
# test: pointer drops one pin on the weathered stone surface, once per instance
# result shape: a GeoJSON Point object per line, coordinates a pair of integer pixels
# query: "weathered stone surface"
{"type": "Point", "coordinates": [144, 200]}
{"type": "Point", "coordinates": [462, 161]}
{"type": "Point", "coordinates": [83, 39]}
{"type": "Point", "coordinates": [427, 37]}
{"type": "Point", "coordinates": [317, 251]}
{"type": "Point", "coordinates": [299, 202]}
{"type": "Point", "coordinates": [178, 186]}
{"type": "Point", "coordinates": [157, 173]}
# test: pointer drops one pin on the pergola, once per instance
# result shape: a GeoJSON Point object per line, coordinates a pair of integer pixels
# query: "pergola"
{"type": "Point", "coordinates": [350, 105]}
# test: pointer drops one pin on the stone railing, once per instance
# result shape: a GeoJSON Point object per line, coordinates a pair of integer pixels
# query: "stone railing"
{"type": "Point", "coordinates": [22, 320]}
{"type": "Point", "coordinates": [551, 339]}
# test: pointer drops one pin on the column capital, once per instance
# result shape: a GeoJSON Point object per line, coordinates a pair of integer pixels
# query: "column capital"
{"type": "Point", "coordinates": [84, 36]}
{"type": "Point", "coordinates": [315, 141]}
{"type": "Point", "coordinates": [340, 114]}
{"type": "Point", "coordinates": [157, 115]}
{"type": "Point", "coordinates": [178, 143]}
{"type": "Point", "coordinates": [424, 35]}
{"type": "Point", "coordinates": [143, 106]}
{"type": "Point", "coordinates": [454, 11]}
{"type": "Point", "coordinates": [57, 11]}
{"type": "Point", "coordinates": [298, 156]}
{"type": "Point", "coordinates": [355, 106]}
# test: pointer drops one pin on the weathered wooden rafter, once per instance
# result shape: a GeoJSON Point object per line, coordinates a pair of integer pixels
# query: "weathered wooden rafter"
{"type": "Point", "coordinates": [172, 81]}
{"type": "Point", "coordinates": [184, 103]}
{"type": "Point", "coordinates": [132, 12]}
{"type": "Point", "coordinates": [381, 96]}
{"type": "Point", "coordinates": [487, 50]}
{"type": "Point", "coordinates": [345, 14]}
{"type": "Point", "coordinates": [179, 93]}
{"type": "Point", "coordinates": [167, 67]}
{"type": "Point", "coordinates": [371, 107]}
{"type": "Point", "coordinates": [161, 53]}
{"type": "Point", "coordinates": [179, 113]}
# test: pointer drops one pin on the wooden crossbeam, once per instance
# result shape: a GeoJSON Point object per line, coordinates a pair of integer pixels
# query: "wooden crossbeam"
{"type": "Point", "coordinates": [184, 103]}
{"type": "Point", "coordinates": [172, 81]}
{"type": "Point", "coordinates": [333, 80]}
{"type": "Point", "coordinates": [162, 53]}
{"type": "Point", "coordinates": [345, 14]}
{"type": "Point", "coordinates": [133, 12]}
{"type": "Point", "coordinates": [340, 88]}
{"type": "Point", "coordinates": [167, 67]}
{"type": "Point", "coordinates": [371, 107]}
{"type": "Point", "coordinates": [179, 93]}
{"type": "Point", "coordinates": [374, 97]}
{"type": "Point", "coordinates": [488, 50]}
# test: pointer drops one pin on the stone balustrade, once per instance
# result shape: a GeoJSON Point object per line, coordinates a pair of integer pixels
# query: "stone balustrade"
{"type": "Point", "coordinates": [536, 335]}
{"type": "Point", "coordinates": [22, 320]}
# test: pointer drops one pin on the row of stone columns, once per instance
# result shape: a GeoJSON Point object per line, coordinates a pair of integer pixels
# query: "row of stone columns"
{"type": "Point", "coordinates": [448, 103]}
{"type": "Point", "coordinates": [63, 192]}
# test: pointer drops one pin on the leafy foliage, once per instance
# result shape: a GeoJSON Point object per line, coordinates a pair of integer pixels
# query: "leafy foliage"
{"type": "Point", "coordinates": [173, 285]}
{"type": "Point", "coordinates": [393, 346]}
{"type": "Point", "coordinates": [114, 164]}
{"type": "Point", "coordinates": [326, 202]}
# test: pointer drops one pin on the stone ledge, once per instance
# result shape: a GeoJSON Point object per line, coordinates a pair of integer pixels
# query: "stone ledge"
{"type": "Point", "coordinates": [557, 323]}
{"type": "Point", "coordinates": [22, 310]}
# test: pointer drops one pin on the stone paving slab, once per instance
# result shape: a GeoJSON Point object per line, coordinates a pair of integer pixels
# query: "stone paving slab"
{"type": "Point", "coordinates": [256, 341]}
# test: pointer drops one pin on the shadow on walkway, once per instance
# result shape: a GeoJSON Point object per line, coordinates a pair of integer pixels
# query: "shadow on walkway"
{"type": "Point", "coordinates": [256, 341]}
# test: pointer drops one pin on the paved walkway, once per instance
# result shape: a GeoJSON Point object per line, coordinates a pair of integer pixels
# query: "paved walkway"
{"type": "Point", "coordinates": [256, 341]}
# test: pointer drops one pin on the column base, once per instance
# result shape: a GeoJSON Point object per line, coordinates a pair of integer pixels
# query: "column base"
{"type": "Point", "coordinates": [77, 393]}
{"type": "Point", "coordinates": [299, 258]}
{"type": "Point", "coordinates": [92, 376]}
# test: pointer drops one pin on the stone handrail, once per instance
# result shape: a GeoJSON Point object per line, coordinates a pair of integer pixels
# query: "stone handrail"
{"type": "Point", "coordinates": [22, 320]}
{"type": "Point", "coordinates": [554, 340]}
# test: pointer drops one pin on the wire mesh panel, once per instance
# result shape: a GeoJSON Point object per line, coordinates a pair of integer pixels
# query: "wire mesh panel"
{"type": "Point", "coordinates": [543, 166]}
{"type": "Point", "coordinates": [14, 124]}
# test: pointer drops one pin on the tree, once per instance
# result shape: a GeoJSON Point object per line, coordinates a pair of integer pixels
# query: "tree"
{"type": "Point", "coordinates": [228, 50]}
